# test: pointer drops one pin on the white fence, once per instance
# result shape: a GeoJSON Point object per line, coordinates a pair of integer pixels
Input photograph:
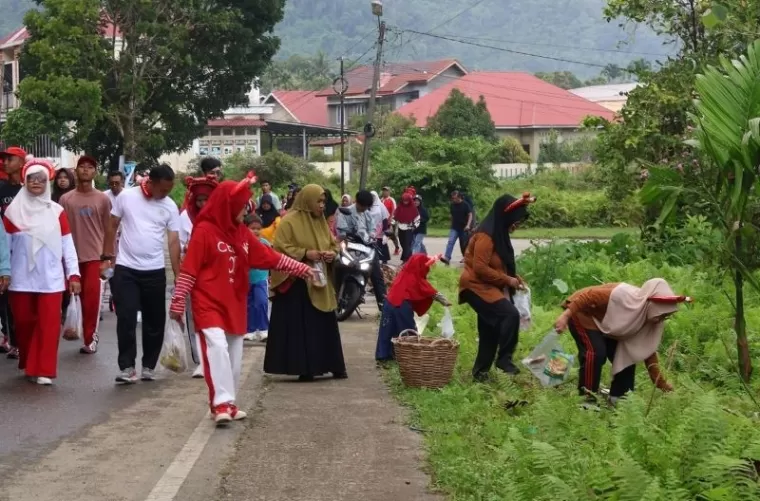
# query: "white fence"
{"type": "Point", "coordinates": [506, 171]}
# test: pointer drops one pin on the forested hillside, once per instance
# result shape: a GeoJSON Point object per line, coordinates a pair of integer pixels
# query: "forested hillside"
{"type": "Point", "coordinates": [562, 29]}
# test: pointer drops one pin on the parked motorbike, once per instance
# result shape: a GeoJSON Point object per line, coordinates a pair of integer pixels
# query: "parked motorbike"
{"type": "Point", "coordinates": [354, 265]}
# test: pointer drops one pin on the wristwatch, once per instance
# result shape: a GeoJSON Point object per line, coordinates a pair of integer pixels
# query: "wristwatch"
{"type": "Point", "coordinates": [106, 258]}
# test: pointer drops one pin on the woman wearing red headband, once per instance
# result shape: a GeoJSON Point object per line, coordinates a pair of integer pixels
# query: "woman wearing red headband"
{"type": "Point", "coordinates": [489, 281]}
{"type": "Point", "coordinates": [43, 257]}
{"type": "Point", "coordinates": [620, 323]}
{"type": "Point", "coordinates": [215, 274]}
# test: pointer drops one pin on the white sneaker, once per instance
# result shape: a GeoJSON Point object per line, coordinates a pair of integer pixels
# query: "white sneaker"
{"type": "Point", "coordinates": [251, 336]}
{"type": "Point", "coordinates": [263, 335]}
{"type": "Point", "coordinates": [139, 317]}
{"type": "Point", "coordinates": [198, 372]}
{"type": "Point", "coordinates": [44, 381]}
{"type": "Point", "coordinates": [127, 376]}
{"type": "Point", "coordinates": [148, 374]}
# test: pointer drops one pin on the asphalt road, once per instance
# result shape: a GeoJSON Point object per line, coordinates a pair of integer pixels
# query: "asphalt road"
{"type": "Point", "coordinates": [84, 438]}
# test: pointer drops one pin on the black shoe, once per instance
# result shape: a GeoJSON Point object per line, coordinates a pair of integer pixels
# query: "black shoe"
{"type": "Point", "coordinates": [340, 375]}
{"type": "Point", "coordinates": [445, 261]}
{"type": "Point", "coordinates": [510, 368]}
{"type": "Point", "coordinates": [305, 379]}
{"type": "Point", "coordinates": [481, 377]}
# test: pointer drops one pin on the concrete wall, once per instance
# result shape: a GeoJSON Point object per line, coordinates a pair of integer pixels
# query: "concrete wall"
{"type": "Point", "coordinates": [532, 138]}
{"type": "Point", "coordinates": [506, 171]}
{"type": "Point", "coordinates": [333, 168]}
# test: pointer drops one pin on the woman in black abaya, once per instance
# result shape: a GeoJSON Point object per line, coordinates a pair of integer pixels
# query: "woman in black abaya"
{"type": "Point", "coordinates": [304, 339]}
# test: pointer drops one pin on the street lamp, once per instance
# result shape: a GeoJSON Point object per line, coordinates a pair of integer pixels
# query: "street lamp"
{"type": "Point", "coordinates": [377, 8]}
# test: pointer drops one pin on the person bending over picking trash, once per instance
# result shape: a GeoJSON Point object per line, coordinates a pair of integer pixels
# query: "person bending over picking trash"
{"type": "Point", "coordinates": [410, 293]}
{"type": "Point", "coordinates": [621, 323]}
{"type": "Point", "coordinates": [215, 274]}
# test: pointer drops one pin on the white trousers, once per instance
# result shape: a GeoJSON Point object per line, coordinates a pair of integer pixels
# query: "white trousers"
{"type": "Point", "coordinates": [222, 357]}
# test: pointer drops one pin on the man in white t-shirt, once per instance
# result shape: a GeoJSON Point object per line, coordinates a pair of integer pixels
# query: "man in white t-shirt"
{"type": "Point", "coordinates": [144, 214]}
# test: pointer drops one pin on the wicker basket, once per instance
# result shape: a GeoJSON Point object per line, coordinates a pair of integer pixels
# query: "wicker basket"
{"type": "Point", "coordinates": [425, 362]}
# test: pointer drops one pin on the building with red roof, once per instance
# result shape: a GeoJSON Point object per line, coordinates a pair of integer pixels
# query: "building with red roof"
{"type": "Point", "coordinates": [521, 105]}
{"type": "Point", "coordinates": [400, 83]}
{"type": "Point", "coordinates": [298, 106]}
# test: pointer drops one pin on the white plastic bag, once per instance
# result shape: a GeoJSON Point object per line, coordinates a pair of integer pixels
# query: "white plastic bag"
{"type": "Point", "coordinates": [72, 327]}
{"type": "Point", "coordinates": [522, 303]}
{"type": "Point", "coordinates": [421, 322]}
{"type": "Point", "coordinates": [447, 325]}
{"type": "Point", "coordinates": [174, 351]}
{"type": "Point", "coordinates": [548, 362]}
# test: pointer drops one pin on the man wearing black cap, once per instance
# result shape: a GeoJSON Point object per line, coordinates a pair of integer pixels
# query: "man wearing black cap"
{"type": "Point", "coordinates": [13, 160]}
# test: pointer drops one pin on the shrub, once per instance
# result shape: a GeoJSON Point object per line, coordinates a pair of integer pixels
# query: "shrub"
{"type": "Point", "coordinates": [512, 152]}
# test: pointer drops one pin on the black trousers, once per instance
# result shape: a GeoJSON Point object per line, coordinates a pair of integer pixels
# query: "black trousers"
{"type": "Point", "coordinates": [406, 239]}
{"type": "Point", "coordinates": [594, 349]}
{"type": "Point", "coordinates": [498, 333]}
{"type": "Point", "coordinates": [144, 291]}
{"type": "Point", "coordinates": [9, 328]}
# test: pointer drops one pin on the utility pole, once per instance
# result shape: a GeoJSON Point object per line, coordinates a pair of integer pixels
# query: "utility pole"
{"type": "Point", "coordinates": [369, 128]}
{"type": "Point", "coordinates": [340, 86]}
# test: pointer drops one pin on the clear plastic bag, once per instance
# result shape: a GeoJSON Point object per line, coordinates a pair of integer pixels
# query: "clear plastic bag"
{"type": "Point", "coordinates": [548, 362]}
{"type": "Point", "coordinates": [421, 322]}
{"type": "Point", "coordinates": [72, 327]}
{"type": "Point", "coordinates": [173, 355]}
{"type": "Point", "coordinates": [522, 303]}
{"type": "Point", "coordinates": [447, 325]}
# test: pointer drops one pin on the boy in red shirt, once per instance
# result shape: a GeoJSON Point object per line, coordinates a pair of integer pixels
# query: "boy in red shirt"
{"type": "Point", "coordinates": [215, 274]}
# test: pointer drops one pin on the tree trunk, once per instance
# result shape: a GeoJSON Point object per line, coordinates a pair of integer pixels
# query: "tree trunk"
{"type": "Point", "coordinates": [740, 323]}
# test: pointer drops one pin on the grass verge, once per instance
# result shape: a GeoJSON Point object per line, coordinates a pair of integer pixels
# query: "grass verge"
{"type": "Point", "coordinates": [577, 233]}
{"type": "Point", "coordinates": [697, 443]}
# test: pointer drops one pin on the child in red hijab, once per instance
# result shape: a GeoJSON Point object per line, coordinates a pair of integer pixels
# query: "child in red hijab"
{"type": "Point", "coordinates": [410, 293]}
{"type": "Point", "coordinates": [215, 274]}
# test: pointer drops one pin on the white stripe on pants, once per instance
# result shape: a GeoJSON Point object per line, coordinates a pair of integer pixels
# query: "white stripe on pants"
{"type": "Point", "coordinates": [222, 356]}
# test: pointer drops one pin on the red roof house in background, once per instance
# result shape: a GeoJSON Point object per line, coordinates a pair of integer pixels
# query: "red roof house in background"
{"type": "Point", "coordinates": [302, 106]}
{"type": "Point", "coordinates": [400, 83]}
{"type": "Point", "coordinates": [521, 105]}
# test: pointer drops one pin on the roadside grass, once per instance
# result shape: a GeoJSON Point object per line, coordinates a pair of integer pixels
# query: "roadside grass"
{"type": "Point", "coordinates": [513, 440]}
{"type": "Point", "coordinates": [576, 233]}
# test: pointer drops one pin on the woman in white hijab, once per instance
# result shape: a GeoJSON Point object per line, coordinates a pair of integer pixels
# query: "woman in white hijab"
{"type": "Point", "coordinates": [620, 323]}
{"type": "Point", "coordinates": [43, 258]}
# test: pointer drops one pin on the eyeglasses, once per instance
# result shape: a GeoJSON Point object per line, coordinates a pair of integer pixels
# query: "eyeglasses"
{"type": "Point", "coordinates": [33, 179]}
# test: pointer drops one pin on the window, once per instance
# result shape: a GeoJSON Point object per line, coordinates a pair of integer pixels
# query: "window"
{"type": "Point", "coordinates": [240, 131]}
{"type": "Point", "coordinates": [526, 147]}
{"type": "Point", "coordinates": [213, 132]}
{"type": "Point", "coordinates": [227, 132]}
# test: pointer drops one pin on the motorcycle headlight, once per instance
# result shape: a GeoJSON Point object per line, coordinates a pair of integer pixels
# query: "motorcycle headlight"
{"type": "Point", "coordinates": [364, 266]}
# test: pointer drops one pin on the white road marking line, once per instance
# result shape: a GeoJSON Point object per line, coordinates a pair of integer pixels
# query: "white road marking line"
{"type": "Point", "coordinates": [174, 476]}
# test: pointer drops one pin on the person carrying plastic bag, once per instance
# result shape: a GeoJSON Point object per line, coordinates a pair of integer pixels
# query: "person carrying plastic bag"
{"type": "Point", "coordinates": [73, 326]}
{"type": "Point", "coordinates": [174, 351]}
{"type": "Point", "coordinates": [621, 323]}
{"type": "Point", "coordinates": [215, 274]}
{"type": "Point", "coordinates": [410, 293]}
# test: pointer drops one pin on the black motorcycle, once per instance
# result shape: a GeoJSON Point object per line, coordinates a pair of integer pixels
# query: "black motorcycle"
{"type": "Point", "coordinates": [354, 265]}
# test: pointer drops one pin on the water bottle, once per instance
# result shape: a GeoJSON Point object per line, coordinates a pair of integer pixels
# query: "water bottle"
{"type": "Point", "coordinates": [321, 280]}
{"type": "Point", "coordinates": [107, 274]}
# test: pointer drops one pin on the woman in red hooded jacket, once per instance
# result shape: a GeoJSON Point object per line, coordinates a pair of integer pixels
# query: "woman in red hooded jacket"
{"type": "Point", "coordinates": [215, 274]}
{"type": "Point", "coordinates": [410, 293]}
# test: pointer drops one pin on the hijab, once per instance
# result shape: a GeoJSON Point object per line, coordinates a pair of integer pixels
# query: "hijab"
{"type": "Point", "coordinates": [197, 187]}
{"type": "Point", "coordinates": [301, 230]}
{"type": "Point", "coordinates": [496, 225]}
{"type": "Point", "coordinates": [628, 320]}
{"type": "Point", "coordinates": [57, 192]}
{"type": "Point", "coordinates": [411, 285]}
{"type": "Point", "coordinates": [346, 198]}
{"type": "Point", "coordinates": [267, 216]}
{"type": "Point", "coordinates": [219, 218]}
{"type": "Point", "coordinates": [406, 212]}
{"type": "Point", "coordinates": [38, 216]}
{"type": "Point", "coordinates": [331, 206]}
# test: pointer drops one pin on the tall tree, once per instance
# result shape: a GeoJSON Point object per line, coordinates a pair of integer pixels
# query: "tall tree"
{"type": "Point", "coordinates": [460, 116]}
{"type": "Point", "coordinates": [298, 73]}
{"type": "Point", "coordinates": [138, 78]}
{"type": "Point", "coordinates": [562, 79]}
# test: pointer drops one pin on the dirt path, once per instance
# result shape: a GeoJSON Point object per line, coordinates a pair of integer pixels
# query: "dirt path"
{"type": "Point", "coordinates": [329, 440]}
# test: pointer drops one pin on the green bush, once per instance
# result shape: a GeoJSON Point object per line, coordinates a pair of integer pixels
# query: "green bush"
{"type": "Point", "coordinates": [701, 442]}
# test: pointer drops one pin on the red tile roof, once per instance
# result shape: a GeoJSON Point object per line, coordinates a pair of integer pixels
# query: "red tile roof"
{"type": "Point", "coordinates": [394, 76]}
{"type": "Point", "coordinates": [17, 37]}
{"type": "Point", "coordinates": [514, 100]}
{"type": "Point", "coordinates": [236, 122]}
{"type": "Point", "coordinates": [305, 105]}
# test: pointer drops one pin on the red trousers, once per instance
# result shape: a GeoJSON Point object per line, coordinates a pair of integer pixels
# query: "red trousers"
{"type": "Point", "coordinates": [38, 331]}
{"type": "Point", "coordinates": [90, 297]}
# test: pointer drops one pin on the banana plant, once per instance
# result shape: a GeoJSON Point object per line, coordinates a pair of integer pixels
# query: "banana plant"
{"type": "Point", "coordinates": [726, 135]}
